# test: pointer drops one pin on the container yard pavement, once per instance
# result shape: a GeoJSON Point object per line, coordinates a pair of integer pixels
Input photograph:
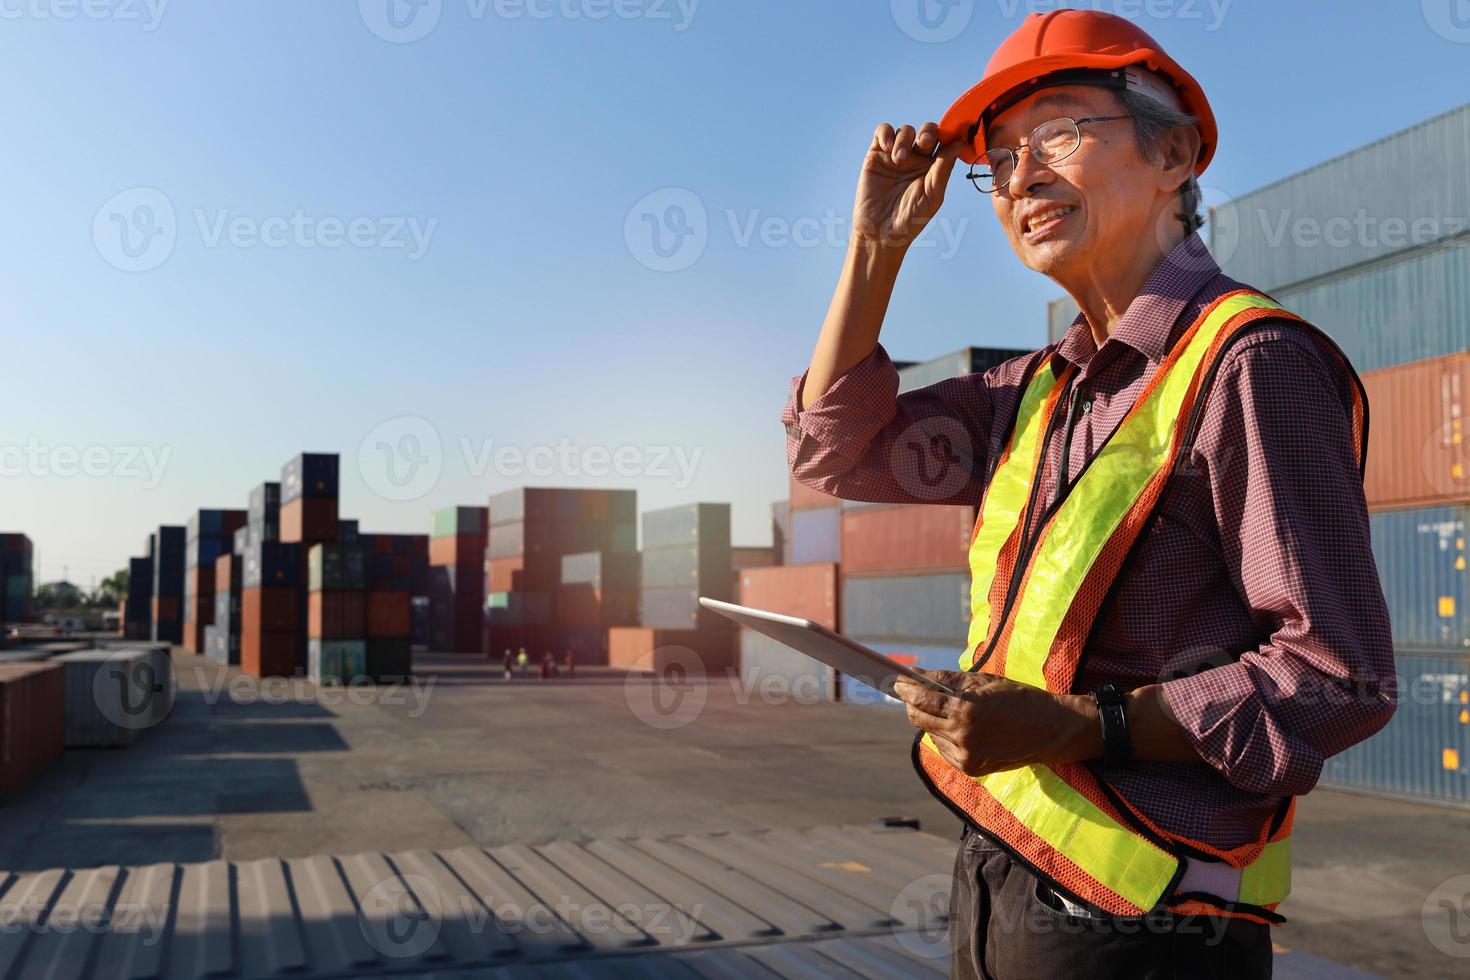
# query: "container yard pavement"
{"type": "Point", "coordinates": [463, 759]}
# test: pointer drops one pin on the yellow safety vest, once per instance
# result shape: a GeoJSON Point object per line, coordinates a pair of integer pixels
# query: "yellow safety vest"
{"type": "Point", "coordinates": [1033, 606]}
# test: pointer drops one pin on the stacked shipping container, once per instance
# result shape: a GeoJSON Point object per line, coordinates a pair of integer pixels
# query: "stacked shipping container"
{"type": "Point", "coordinates": [210, 534]}
{"type": "Point", "coordinates": [598, 590]}
{"type": "Point", "coordinates": [16, 582]}
{"type": "Point", "coordinates": [138, 604]}
{"type": "Point", "coordinates": [686, 554]}
{"type": "Point", "coordinates": [772, 670]}
{"type": "Point", "coordinates": [32, 696]}
{"type": "Point", "coordinates": [336, 617]}
{"type": "Point", "coordinates": [168, 584]}
{"type": "Point", "coordinates": [222, 636]}
{"type": "Point", "coordinates": [1384, 269]}
{"type": "Point", "coordinates": [457, 570]}
{"type": "Point", "coordinates": [309, 515]}
{"type": "Point", "coordinates": [398, 568]}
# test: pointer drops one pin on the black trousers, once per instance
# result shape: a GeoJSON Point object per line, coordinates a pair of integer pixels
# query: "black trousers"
{"type": "Point", "coordinates": [1004, 924]}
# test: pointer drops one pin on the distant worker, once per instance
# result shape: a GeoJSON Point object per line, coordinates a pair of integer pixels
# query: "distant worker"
{"type": "Point", "coordinates": [546, 664]}
{"type": "Point", "coordinates": [1175, 611]}
{"type": "Point", "coordinates": [571, 664]}
{"type": "Point", "coordinates": [509, 663]}
{"type": "Point", "coordinates": [523, 661]}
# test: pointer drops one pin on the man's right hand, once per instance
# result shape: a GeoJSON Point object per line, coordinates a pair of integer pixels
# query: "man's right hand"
{"type": "Point", "coordinates": [901, 186]}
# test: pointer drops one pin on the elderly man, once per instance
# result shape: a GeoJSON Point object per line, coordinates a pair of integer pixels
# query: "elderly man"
{"type": "Point", "coordinates": [1176, 616]}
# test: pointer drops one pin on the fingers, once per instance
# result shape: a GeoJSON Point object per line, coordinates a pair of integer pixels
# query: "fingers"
{"type": "Point", "coordinates": [905, 144]}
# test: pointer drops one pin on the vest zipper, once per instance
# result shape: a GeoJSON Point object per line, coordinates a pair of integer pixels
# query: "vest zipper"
{"type": "Point", "coordinates": [1067, 442]}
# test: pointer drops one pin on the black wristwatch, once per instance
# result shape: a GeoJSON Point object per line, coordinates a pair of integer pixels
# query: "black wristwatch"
{"type": "Point", "coordinates": [1117, 746]}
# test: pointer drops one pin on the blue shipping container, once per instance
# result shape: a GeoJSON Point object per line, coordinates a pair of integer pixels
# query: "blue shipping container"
{"type": "Point", "coordinates": [923, 657]}
{"type": "Point", "coordinates": [816, 535]}
{"type": "Point", "coordinates": [1422, 566]}
{"type": "Point", "coordinates": [1423, 752]}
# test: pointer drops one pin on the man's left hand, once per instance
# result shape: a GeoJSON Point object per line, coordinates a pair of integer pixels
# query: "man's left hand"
{"type": "Point", "coordinates": [997, 724]}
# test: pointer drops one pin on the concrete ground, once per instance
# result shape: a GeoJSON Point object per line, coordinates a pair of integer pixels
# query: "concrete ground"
{"type": "Point", "coordinates": [244, 769]}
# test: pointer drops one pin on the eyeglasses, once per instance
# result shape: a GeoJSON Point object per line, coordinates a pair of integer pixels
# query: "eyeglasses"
{"type": "Point", "coordinates": [1049, 143]}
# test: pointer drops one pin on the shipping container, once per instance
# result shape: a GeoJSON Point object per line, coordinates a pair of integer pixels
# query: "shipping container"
{"type": "Point", "coordinates": [563, 503]}
{"type": "Point", "coordinates": [588, 646]}
{"type": "Point", "coordinates": [752, 557]}
{"type": "Point", "coordinates": [336, 615]}
{"type": "Point", "coordinates": [265, 505]}
{"type": "Point", "coordinates": [808, 591]}
{"type": "Point", "coordinates": [504, 574]}
{"type": "Point", "coordinates": [1407, 190]}
{"type": "Point", "coordinates": [221, 645]}
{"type": "Point", "coordinates": [309, 475]}
{"type": "Point", "coordinates": [1417, 448]}
{"type": "Point", "coordinates": [677, 566]}
{"type": "Point", "coordinates": [929, 610]}
{"type": "Point", "coordinates": [781, 530]}
{"type": "Point", "coordinates": [114, 695]}
{"type": "Point", "coordinates": [518, 608]}
{"type": "Point", "coordinates": [388, 659]}
{"type": "Point", "coordinates": [32, 700]}
{"type": "Point", "coordinates": [921, 656]}
{"type": "Point", "coordinates": [703, 523]}
{"type": "Point", "coordinates": [270, 610]}
{"type": "Point", "coordinates": [309, 520]}
{"type": "Point", "coordinates": [1406, 309]}
{"type": "Point", "coordinates": [337, 566]}
{"type": "Point", "coordinates": [269, 654]}
{"type": "Point", "coordinates": [1421, 561]}
{"type": "Point", "coordinates": [272, 563]}
{"type": "Point", "coordinates": [220, 524]}
{"type": "Point", "coordinates": [337, 661]}
{"type": "Point", "coordinates": [1061, 313]}
{"type": "Point", "coordinates": [1423, 753]}
{"type": "Point", "coordinates": [655, 650]}
{"type": "Point", "coordinates": [773, 673]}
{"type": "Point", "coordinates": [679, 609]}
{"type": "Point", "coordinates": [389, 615]}
{"type": "Point", "coordinates": [602, 569]}
{"type": "Point", "coordinates": [458, 521]}
{"type": "Point", "coordinates": [816, 535]}
{"type": "Point", "coordinates": [457, 549]}
{"type": "Point", "coordinates": [966, 361]}
{"type": "Point", "coordinates": [906, 538]}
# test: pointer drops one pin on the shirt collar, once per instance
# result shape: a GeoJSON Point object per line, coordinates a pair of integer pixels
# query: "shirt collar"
{"type": "Point", "coordinates": [1148, 324]}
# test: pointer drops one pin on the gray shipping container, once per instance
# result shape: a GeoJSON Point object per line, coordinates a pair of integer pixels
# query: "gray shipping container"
{"type": "Point", "coordinates": [773, 673]}
{"type": "Point", "coordinates": [707, 524]}
{"type": "Point", "coordinates": [1060, 314]}
{"type": "Point", "coordinates": [1401, 310]}
{"type": "Point", "coordinates": [967, 360]}
{"type": "Point", "coordinates": [1421, 561]}
{"type": "Point", "coordinates": [816, 535]}
{"type": "Point", "coordinates": [1423, 752]}
{"type": "Point", "coordinates": [115, 694]}
{"type": "Point", "coordinates": [684, 566]}
{"type": "Point", "coordinates": [923, 609]}
{"type": "Point", "coordinates": [679, 609]}
{"type": "Point", "coordinates": [1357, 208]}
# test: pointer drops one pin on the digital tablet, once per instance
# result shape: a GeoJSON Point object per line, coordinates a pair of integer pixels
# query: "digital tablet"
{"type": "Point", "coordinates": [818, 642]}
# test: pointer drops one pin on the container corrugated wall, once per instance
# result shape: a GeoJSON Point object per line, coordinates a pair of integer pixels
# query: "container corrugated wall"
{"type": "Point", "coordinates": [1060, 314]}
{"type": "Point", "coordinates": [816, 535]}
{"type": "Point", "coordinates": [1355, 208]}
{"type": "Point", "coordinates": [773, 673]}
{"type": "Point", "coordinates": [1416, 448]}
{"type": "Point", "coordinates": [1424, 750]}
{"type": "Point", "coordinates": [1393, 313]}
{"type": "Point", "coordinates": [918, 609]}
{"type": "Point", "coordinates": [1421, 561]}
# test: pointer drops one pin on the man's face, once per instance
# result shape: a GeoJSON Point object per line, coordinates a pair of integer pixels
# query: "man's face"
{"type": "Point", "coordinates": [1106, 190]}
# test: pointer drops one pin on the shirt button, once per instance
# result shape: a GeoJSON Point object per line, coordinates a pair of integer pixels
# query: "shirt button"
{"type": "Point", "coordinates": [1087, 406]}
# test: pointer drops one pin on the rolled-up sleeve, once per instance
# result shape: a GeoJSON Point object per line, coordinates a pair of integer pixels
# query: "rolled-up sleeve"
{"type": "Point", "coordinates": [1276, 444]}
{"type": "Point", "coordinates": [861, 440]}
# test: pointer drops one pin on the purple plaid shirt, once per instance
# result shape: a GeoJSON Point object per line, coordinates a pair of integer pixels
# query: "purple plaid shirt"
{"type": "Point", "coordinates": [1253, 597]}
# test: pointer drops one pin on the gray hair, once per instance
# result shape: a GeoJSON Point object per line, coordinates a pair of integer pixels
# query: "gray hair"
{"type": "Point", "coordinates": [1152, 121]}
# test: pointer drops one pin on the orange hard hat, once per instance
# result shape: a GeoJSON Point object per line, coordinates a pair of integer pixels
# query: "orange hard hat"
{"type": "Point", "coordinates": [1085, 47]}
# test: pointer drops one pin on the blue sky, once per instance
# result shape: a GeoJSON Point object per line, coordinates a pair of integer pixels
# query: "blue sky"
{"type": "Point", "coordinates": [370, 243]}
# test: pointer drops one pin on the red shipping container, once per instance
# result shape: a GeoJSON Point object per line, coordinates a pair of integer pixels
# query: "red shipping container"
{"type": "Point", "coordinates": [336, 615]}
{"type": "Point", "coordinates": [578, 606]}
{"type": "Point", "coordinates": [457, 549]}
{"type": "Point", "coordinates": [663, 650]}
{"type": "Point", "coordinates": [808, 591]}
{"type": "Point", "coordinates": [32, 705]}
{"type": "Point", "coordinates": [309, 519]}
{"type": "Point", "coordinates": [270, 609]}
{"type": "Point", "coordinates": [389, 614]}
{"type": "Point", "coordinates": [596, 505]}
{"type": "Point", "coordinates": [908, 538]}
{"type": "Point", "coordinates": [1417, 439]}
{"type": "Point", "coordinates": [224, 569]}
{"type": "Point", "coordinates": [502, 573]}
{"type": "Point", "coordinates": [166, 608]}
{"type": "Point", "coordinates": [805, 498]}
{"type": "Point", "coordinates": [199, 580]}
{"type": "Point", "coordinates": [268, 654]}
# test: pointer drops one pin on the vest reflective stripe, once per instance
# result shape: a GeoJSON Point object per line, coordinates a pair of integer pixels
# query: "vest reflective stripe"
{"type": "Point", "coordinates": [1129, 864]}
{"type": "Point", "coordinates": [1139, 450]}
{"type": "Point", "coordinates": [1005, 498]}
{"type": "Point", "coordinates": [1059, 818]}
